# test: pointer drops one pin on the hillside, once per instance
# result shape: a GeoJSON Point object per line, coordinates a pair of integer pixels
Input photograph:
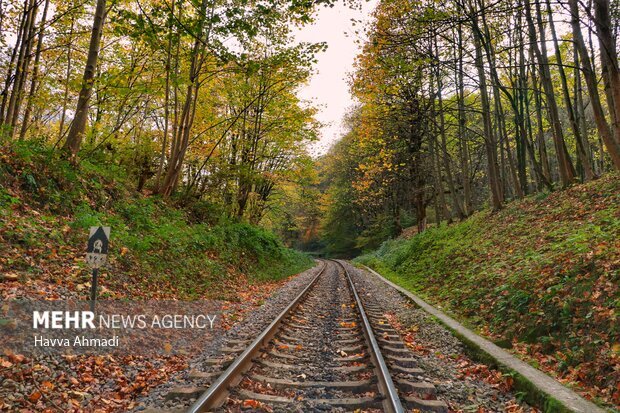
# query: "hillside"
{"type": "Point", "coordinates": [540, 277]}
{"type": "Point", "coordinates": [47, 206]}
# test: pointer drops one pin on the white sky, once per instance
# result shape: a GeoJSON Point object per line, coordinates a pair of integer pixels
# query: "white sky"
{"type": "Point", "coordinates": [328, 89]}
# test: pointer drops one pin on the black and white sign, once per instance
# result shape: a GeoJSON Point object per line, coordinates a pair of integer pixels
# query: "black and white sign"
{"type": "Point", "coordinates": [97, 250]}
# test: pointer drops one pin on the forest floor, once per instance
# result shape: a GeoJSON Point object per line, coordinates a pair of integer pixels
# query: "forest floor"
{"type": "Point", "coordinates": [540, 277]}
{"type": "Point", "coordinates": [158, 251]}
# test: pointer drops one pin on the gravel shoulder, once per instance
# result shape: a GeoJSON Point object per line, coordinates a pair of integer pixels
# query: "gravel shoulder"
{"type": "Point", "coordinates": [466, 385]}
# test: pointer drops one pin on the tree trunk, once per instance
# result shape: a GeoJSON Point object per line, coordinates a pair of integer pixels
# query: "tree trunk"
{"type": "Point", "coordinates": [164, 145]}
{"type": "Point", "coordinates": [611, 143]}
{"type": "Point", "coordinates": [65, 99]}
{"type": "Point", "coordinates": [21, 68]}
{"type": "Point", "coordinates": [78, 126]}
{"type": "Point", "coordinates": [456, 202]}
{"type": "Point", "coordinates": [581, 147]}
{"type": "Point", "coordinates": [565, 165]}
{"type": "Point", "coordinates": [609, 62]}
{"type": "Point", "coordinates": [9, 71]}
{"type": "Point", "coordinates": [463, 144]}
{"type": "Point", "coordinates": [490, 142]}
{"type": "Point", "coordinates": [180, 141]}
{"type": "Point", "coordinates": [503, 136]}
{"type": "Point", "coordinates": [35, 73]}
{"type": "Point", "coordinates": [540, 135]}
{"type": "Point", "coordinates": [580, 107]}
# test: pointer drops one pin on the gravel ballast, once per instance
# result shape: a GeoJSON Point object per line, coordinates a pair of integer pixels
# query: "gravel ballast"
{"type": "Point", "coordinates": [243, 332]}
{"type": "Point", "coordinates": [465, 385]}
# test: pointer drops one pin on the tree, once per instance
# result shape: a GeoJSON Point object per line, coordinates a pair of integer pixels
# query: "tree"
{"type": "Point", "coordinates": [78, 126]}
{"type": "Point", "coordinates": [611, 142]}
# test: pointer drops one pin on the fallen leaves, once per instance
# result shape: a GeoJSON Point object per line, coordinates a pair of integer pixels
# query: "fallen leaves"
{"type": "Point", "coordinates": [47, 386]}
{"type": "Point", "coordinates": [541, 276]}
{"type": "Point", "coordinates": [255, 405]}
{"type": "Point", "coordinates": [34, 396]}
{"type": "Point", "coordinates": [88, 384]}
{"type": "Point", "coordinates": [468, 369]}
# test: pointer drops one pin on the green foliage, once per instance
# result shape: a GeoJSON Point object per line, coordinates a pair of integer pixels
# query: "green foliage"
{"type": "Point", "coordinates": [152, 241]}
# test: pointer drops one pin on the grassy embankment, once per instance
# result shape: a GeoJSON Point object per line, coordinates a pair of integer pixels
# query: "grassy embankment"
{"type": "Point", "coordinates": [158, 250]}
{"type": "Point", "coordinates": [540, 277]}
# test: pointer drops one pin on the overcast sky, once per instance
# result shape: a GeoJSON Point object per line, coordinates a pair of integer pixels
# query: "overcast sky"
{"type": "Point", "coordinates": [328, 88]}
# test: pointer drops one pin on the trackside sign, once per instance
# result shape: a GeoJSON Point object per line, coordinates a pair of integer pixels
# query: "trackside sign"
{"type": "Point", "coordinates": [98, 243]}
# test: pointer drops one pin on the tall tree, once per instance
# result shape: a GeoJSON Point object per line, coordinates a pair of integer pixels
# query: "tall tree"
{"type": "Point", "coordinates": [612, 143]}
{"type": "Point", "coordinates": [78, 125]}
{"type": "Point", "coordinates": [565, 165]}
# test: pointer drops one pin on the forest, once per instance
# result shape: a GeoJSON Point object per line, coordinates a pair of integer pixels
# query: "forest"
{"type": "Point", "coordinates": [460, 105]}
{"type": "Point", "coordinates": [192, 100]}
{"type": "Point", "coordinates": [465, 105]}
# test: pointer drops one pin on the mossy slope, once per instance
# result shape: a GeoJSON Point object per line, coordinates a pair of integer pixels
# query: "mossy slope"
{"type": "Point", "coordinates": [541, 276]}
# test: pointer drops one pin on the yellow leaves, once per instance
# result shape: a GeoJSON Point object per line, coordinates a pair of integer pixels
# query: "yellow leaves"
{"type": "Point", "coordinates": [99, 361]}
{"type": "Point", "coordinates": [348, 324]}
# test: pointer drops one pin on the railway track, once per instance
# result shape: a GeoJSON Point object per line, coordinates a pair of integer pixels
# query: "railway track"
{"type": "Point", "coordinates": [328, 350]}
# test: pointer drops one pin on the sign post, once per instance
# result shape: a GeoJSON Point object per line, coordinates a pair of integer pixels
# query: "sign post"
{"type": "Point", "coordinates": [96, 256]}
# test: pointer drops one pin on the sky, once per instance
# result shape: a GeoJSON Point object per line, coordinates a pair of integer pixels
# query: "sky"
{"type": "Point", "coordinates": [328, 89]}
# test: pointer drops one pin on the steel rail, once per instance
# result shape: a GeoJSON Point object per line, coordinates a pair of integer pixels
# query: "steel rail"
{"type": "Point", "coordinates": [392, 403]}
{"type": "Point", "coordinates": [217, 392]}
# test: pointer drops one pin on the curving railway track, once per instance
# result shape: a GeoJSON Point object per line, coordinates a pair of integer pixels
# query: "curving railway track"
{"type": "Point", "coordinates": [328, 350]}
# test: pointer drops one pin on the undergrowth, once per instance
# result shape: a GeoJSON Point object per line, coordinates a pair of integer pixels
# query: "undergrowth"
{"type": "Point", "coordinates": [158, 249]}
{"type": "Point", "coordinates": [541, 276]}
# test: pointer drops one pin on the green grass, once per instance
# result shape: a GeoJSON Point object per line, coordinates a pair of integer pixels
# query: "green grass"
{"type": "Point", "coordinates": [542, 274]}
{"type": "Point", "coordinates": [157, 248]}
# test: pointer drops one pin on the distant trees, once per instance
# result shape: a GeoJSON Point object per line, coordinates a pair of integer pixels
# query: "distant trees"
{"type": "Point", "coordinates": [468, 100]}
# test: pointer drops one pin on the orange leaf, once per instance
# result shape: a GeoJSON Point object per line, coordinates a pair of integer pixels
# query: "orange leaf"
{"type": "Point", "coordinates": [35, 396]}
{"type": "Point", "coordinates": [16, 358]}
{"type": "Point", "coordinates": [47, 386]}
{"type": "Point", "coordinates": [250, 403]}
